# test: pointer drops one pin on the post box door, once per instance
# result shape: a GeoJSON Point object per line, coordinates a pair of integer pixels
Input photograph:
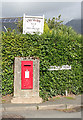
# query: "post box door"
{"type": "Point", "coordinates": [26, 74]}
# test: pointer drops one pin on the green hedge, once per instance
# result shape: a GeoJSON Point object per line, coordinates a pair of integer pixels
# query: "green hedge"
{"type": "Point", "coordinates": [61, 47]}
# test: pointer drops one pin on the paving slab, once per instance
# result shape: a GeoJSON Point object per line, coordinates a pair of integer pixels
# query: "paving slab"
{"type": "Point", "coordinates": [62, 103]}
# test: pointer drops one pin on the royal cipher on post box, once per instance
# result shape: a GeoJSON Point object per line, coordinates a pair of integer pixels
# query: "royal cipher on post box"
{"type": "Point", "coordinates": [26, 80]}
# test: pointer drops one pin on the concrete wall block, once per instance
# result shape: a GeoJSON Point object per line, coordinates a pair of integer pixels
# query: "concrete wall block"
{"type": "Point", "coordinates": [26, 93]}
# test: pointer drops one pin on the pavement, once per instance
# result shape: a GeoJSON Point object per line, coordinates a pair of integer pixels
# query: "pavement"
{"type": "Point", "coordinates": [53, 104]}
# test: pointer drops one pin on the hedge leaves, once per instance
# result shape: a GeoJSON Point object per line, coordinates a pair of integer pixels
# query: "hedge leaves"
{"type": "Point", "coordinates": [57, 48]}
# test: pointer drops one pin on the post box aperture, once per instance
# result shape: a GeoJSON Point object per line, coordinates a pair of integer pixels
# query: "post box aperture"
{"type": "Point", "coordinates": [26, 74]}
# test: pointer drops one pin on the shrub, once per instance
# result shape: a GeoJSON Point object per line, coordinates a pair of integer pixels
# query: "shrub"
{"type": "Point", "coordinates": [59, 47]}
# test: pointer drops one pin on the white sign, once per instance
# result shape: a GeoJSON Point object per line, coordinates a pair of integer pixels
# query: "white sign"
{"type": "Point", "coordinates": [27, 74]}
{"type": "Point", "coordinates": [33, 24]}
{"type": "Point", "coordinates": [63, 67]}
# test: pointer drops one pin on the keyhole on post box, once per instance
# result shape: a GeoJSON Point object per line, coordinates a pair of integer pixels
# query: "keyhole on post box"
{"type": "Point", "coordinates": [27, 74]}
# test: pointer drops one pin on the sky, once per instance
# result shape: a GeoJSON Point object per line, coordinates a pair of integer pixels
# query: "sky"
{"type": "Point", "coordinates": [69, 9]}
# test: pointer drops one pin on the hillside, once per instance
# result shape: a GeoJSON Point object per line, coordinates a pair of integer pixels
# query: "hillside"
{"type": "Point", "coordinates": [11, 23]}
{"type": "Point", "coordinates": [75, 24]}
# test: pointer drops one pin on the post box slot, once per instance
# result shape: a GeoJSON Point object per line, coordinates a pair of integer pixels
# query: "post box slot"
{"type": "Point", "coordinates": [27, 65]}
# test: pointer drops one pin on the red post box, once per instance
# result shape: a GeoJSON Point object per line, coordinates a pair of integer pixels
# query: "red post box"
{"type": "Point", "coordinates": [26, 74]}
